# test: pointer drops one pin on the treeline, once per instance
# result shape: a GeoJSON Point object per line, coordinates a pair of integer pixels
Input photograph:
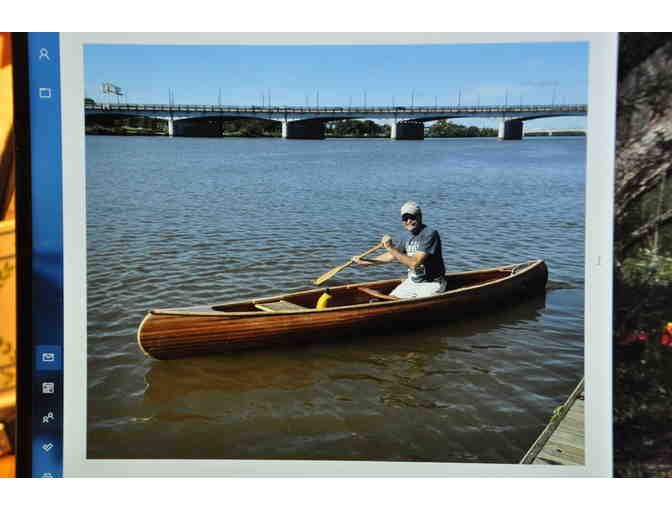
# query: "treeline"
{"type": "Point", "coordinates": [446, 129]}
{"type": "Point", "coordinates": [251, 128]}
{"type": "Point", "coordinates": [357, 129]}
{"type": "Point", "coordinates": [100, 124]}
{"type": "Point", "coordinates": [440, 129]}
{"type": "Point", "coordinates": [138, 125]}
{"type": "Point", "coordinates": [122, 125]}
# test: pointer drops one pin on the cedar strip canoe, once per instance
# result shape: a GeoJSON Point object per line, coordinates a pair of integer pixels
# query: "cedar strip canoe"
{"type": "Point", "coordinates": [198, 330]}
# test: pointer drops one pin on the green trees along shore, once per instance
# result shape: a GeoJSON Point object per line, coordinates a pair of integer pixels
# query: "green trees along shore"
{"type": "Point", "coordinates": [119, 125]}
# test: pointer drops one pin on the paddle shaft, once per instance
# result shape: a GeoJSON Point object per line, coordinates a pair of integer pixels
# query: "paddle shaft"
{"type": "Point", "coordinates": [332, 272]}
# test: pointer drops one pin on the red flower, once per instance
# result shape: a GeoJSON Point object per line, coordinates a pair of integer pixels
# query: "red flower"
{"type": "Point", "coordinates": [634, 337]}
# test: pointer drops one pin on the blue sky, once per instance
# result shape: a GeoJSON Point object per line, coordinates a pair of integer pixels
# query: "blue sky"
{"type": "Point", "coordinates": [381, 75]}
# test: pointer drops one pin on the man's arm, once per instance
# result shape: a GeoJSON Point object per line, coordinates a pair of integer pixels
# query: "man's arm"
{"type": "Point", "coordinates": [393, 254]}
{"type": "Point", "coordinates": [411, 261]}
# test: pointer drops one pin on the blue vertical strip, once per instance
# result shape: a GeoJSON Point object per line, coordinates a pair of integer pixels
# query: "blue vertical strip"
{"type": "Point", "coordinates": [47, 263]}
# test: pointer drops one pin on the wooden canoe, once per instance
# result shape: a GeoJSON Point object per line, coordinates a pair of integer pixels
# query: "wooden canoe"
{"type": "Point", "coordinates": [198, 330]}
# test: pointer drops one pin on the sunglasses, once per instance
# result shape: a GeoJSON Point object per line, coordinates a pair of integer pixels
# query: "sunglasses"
{"type": "Point", "coordinates": [407, 217]}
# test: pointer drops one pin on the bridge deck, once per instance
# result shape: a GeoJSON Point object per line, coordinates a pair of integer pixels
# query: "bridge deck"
{"type": "Point", "coordinates": [524, 110]}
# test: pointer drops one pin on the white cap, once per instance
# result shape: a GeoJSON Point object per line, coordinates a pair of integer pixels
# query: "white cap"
{"type": "Point", "coordinates": [412, 208]}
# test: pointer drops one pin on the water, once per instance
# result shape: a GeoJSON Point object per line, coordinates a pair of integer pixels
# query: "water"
{"type": "Point", "coordinates": [186, 221]}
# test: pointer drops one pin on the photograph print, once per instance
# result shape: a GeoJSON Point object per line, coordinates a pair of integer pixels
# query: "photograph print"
{"type": "Point", "coordinates": [336, 252]}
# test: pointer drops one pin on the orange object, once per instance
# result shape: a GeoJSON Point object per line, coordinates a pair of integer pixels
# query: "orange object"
{"type": "Point", "coordinates": [7, 466]}
{"type": "Point", "coordinates": [7, 168]}
{"type": "Point", "coordinates": [7, 251]}
{"type": "Point", "coordinates": [666, 338]}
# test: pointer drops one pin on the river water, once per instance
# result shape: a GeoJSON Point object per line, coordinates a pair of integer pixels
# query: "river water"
{"type": "Point", "coordinates": [186, 221]}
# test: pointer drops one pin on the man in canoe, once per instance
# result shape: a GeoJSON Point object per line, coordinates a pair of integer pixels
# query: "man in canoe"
{"type": "Point", "coordinates": [420, 251]}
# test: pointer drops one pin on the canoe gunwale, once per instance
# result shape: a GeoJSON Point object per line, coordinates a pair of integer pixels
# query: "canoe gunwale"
{"type": "Point", "coordinates": [191, 311]}
{"type": "Point", "coordinates": [139, 339]}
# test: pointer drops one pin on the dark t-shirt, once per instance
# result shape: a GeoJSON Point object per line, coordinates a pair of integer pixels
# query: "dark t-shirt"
{"type": "Point", "coordinates": [429, 242]}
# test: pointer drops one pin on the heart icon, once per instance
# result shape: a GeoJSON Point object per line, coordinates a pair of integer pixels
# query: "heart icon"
{"type": "Point", "coordinates": [47, 447]}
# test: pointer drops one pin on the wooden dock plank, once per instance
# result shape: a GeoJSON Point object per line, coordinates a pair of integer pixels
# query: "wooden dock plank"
{"type": "Point", "coordinates": [566, 437]}
{"type": "Point", "coordinates": [547, 456]}
{"type": "Point", "coordinates": [569, 449]}
{"type": "Point", "coordinates": [562, 442]}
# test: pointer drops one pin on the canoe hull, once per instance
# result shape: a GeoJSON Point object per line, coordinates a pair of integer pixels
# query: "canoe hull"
{"type": "Point", "coordinates": [177, 333]}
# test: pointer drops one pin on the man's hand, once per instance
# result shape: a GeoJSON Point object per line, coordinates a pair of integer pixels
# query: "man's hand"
{"type": "Point", "coordinates": [387, 242]}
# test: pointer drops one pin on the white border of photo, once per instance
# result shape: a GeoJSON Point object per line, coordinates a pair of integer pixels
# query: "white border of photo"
{"type": "Point", "coordinates": [598, 290]}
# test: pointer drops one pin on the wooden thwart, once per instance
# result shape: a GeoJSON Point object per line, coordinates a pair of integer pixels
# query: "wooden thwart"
{"type": "Point", "coordinates": [376, 294]}
{"type": "Point", "coordinates": [280, 306]}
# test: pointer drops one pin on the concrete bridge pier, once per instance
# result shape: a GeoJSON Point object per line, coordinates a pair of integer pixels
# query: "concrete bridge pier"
{"type": "Point", "coordinates": [303, 129]}
{"type": "Point", "coordinates": [171, 127]}
{"type": "Point", "coordinates": [510, 130]}
{"type": "Point", "coordinates": [408, 130]}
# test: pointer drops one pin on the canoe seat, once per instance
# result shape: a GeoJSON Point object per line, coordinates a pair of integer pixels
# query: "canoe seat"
{"type": "Point", "coordinates": [279, 306]}
{"type": "Point", "coordinates": [376, 294]}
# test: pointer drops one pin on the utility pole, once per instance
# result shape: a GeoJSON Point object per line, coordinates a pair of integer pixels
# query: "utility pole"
{"type": "Point", "coordinates": [221, 117]}
{"type": "Point", "coordinates": [170, 109]}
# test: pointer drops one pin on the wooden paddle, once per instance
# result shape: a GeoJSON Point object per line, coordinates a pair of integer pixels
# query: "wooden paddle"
{"type": "Point", "coordinates": [331, 273]}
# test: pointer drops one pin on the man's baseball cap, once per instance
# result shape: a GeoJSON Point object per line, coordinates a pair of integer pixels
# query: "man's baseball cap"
{"type": "Point", "coordinates": [412, 208]}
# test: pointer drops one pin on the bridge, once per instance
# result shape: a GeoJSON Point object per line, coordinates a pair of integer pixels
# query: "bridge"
{"type": "Point", "coordinates": [309, 122]}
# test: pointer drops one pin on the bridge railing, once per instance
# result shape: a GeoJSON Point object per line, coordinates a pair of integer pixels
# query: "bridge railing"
{"type": "Point", "coordinates": [333, 109]}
